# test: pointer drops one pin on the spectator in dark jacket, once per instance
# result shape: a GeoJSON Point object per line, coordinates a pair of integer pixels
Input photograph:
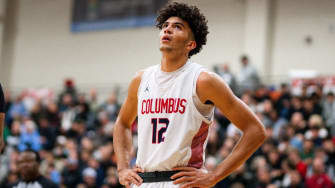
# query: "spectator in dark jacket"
{"type": "Point", "coordinates": [28, 165]}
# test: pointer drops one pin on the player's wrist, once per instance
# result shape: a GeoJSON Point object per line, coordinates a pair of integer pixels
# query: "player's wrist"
{"type": "Point", "coordinates": [214, 177]}
{"type": "Point", "coordinates": [119, 169]}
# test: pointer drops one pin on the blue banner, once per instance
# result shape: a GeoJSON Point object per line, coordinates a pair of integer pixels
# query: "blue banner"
{"type": "Point", "coordinates": [93, 15]}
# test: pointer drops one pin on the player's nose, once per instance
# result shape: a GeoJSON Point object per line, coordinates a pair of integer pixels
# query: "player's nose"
{"type": "Point", "coordinates": [168, 29]}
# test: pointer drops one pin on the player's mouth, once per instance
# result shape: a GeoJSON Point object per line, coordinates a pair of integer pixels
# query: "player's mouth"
{"type": "Point", "coordinates": [166, 38]}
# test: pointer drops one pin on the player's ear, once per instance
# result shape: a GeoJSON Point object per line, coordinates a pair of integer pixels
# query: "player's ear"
{"type": "Point", "coordinates": [191, 45]}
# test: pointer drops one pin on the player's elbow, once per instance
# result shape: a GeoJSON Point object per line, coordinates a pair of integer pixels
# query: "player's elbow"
{"type": "Point", "coordinates": [120, 127]}
{"type": "Point", "coordinates": [258, 133]}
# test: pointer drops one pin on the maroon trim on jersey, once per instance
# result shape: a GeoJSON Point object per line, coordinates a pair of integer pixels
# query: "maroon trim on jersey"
{"type": "Point", "coordinates": [197, 146]}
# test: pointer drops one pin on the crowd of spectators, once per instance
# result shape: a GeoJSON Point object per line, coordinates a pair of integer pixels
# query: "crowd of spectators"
{"type": "Point", "coordinates": [299, 150]}
{"type": "Point", "coordinates": [73, 136]}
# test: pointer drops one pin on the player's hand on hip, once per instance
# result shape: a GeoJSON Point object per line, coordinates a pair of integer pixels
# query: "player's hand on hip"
{"type": "Point", "coordinates": [130, 176]}
{"type": "Point", "coordinates": [190, 177]}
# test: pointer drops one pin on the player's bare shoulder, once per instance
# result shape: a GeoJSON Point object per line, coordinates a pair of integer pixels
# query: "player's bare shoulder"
{"type": "Point", "coordinates": [206, 78]}
{"type": "Point", "coordinates": [211, 86]}
{"type": "Point", "coordinates": [138, 76]}
{"type": "Point", "coordinates": [135, 83]}
{"type": "Point", "coordinates": [128, 112]}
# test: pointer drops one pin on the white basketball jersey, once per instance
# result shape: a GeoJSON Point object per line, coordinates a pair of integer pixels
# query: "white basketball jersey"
{"type": "Point", "coordinates": [171, 130]}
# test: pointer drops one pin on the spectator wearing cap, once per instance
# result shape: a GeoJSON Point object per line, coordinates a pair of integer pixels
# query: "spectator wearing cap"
{"type": "Point", "coordinates": [96, 163]}
{"type": "Point", "coordinates": [89, 177]}
{"type": "Point", "coordinates": [69, 88]}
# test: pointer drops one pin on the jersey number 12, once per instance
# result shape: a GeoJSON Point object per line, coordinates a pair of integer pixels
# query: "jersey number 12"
{"type": "Point", "coordinates": [158, 135]}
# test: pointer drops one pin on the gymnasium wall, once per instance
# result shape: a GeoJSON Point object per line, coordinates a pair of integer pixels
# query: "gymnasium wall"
{"type": "Point", "coordinates": [294, 21]}
{"type": "Point", "coordinates": [44, 51]}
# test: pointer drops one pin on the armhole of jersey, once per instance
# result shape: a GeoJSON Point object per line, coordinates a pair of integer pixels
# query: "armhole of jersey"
{"type": "Point", "coordinates": [145, 74]}
{"type": "Point", "coordinates": [196, 76]}
{"type": "Point", "coordinates": [140, 85]}
{"type": "Point", "coordinates": [208, 120]}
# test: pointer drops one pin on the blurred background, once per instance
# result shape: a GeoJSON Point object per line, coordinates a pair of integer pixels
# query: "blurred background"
{"type": "Point", "coordinates": [65, 67]}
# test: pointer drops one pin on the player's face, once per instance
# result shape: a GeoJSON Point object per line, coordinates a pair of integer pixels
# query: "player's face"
{"type": "Point", "coordinates": [177, 35]}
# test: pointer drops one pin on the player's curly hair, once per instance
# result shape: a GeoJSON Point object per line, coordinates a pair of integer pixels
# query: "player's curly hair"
{"type": "Point", "coordinates": [190, 14]}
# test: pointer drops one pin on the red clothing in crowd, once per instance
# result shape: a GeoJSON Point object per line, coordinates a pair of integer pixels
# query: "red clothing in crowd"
{"type": "Point", "coordinates": [319, 181]}
{"type": "Point", "coordinates": [302, 169]}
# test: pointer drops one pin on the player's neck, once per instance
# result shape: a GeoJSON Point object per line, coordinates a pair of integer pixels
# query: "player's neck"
{"type": "Point", "coordinates": [171, 63]}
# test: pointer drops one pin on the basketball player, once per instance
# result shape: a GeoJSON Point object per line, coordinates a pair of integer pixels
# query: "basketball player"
{"type": "Point", "coordinates": [2, 119]}
{"type": "Point", "coordinates": [174, 102]}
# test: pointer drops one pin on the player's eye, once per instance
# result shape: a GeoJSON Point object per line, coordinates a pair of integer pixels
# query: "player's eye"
{"type": "Point", "coordinates": [164, 25]}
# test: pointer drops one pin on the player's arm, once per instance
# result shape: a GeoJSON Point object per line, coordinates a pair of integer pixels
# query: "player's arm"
{"type": "Point", "coordinates": [2, 118]}
{"type": "Point", "coordinates": [212, 88]}
{"type": "Point", "coordinates": [122, 137]}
